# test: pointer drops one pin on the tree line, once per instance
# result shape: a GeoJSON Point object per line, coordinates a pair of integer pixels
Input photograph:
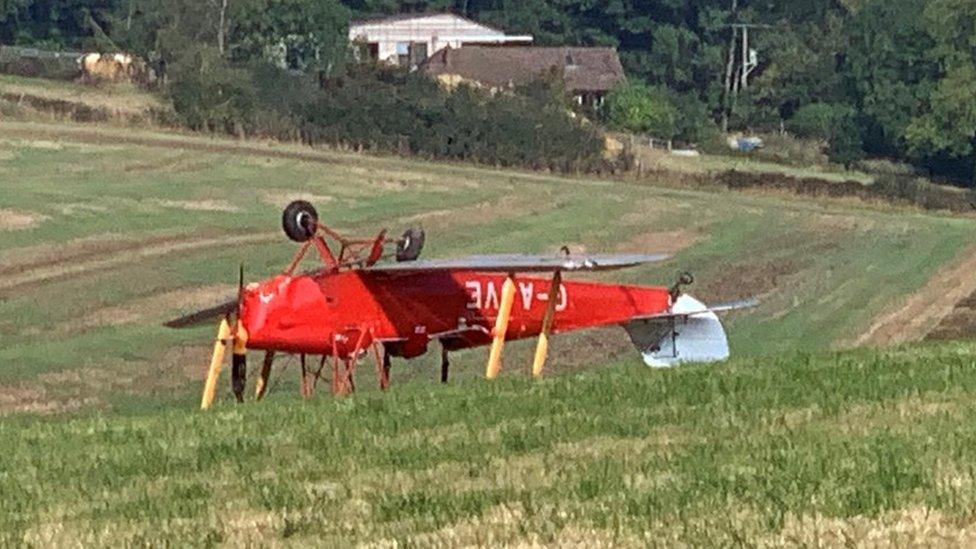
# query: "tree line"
{"type": "Point", "coordinates": [893, 78]}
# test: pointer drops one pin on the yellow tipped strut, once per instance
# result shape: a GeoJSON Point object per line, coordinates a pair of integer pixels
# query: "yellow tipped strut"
{"type": "Point", "coordinates": [216, 362]}
{"type": "Point", "coordinates": [501, 326]}
{"type": "Point", "coordinates": [542, 349]}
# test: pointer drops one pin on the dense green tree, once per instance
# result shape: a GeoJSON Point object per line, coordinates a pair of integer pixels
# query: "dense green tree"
{"type": "Point", "coordinates": [641, 109]}
{"type": "Point", "coordinates": [310, 35]}
{"type": "Point", "coordinates": [56, 24]}
{"type": "Point", "coordinates": [946, 123]}
{"type": "Point", "coordinates": [890, 68]}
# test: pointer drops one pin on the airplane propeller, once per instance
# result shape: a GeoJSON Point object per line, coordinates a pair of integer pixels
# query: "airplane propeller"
{"type": "Point", "coordinates": [229, 332]}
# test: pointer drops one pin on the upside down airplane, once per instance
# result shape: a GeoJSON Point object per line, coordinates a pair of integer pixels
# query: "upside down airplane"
{"type": "Point", "coordinates": [374, 296]}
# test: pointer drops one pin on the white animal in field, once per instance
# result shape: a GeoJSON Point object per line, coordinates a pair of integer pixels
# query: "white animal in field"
{"type": "Point", "coordinates": [113, 67]}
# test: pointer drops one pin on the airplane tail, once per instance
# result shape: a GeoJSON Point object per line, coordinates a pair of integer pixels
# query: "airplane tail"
{"type": "Point", "coordinates": [690, 332]}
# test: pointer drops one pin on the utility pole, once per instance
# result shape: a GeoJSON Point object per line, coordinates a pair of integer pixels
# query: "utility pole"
{"type": "Point", "coordinates": [749, 62]}
{"type": "Point", "coordinates": [749, 58]}
{"type": "Point", "coordinates": [729, 69]}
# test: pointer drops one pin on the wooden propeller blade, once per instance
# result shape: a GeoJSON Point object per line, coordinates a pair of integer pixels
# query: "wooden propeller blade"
{"type": "Point", "coordinates": [204, 316]}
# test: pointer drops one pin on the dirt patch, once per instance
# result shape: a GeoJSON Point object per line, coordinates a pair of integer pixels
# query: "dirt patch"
{"type": "Point", "coordinates": [88, 262]}
{"type": "Point", "coordinates": [667, 242]}
{"type": "Point", "coordinates": [81, 209]}
{"type": "Point", "coordinates": [958, 324]}
{"type": "Point", "coordinates": [159, 306]}
{"type": "Point", "coordinates": [199, 205]}
{"type": "Point", "coordinates": [475, 214]}
{"type": "Point", "coordinates": [925, 311]}
{"type": "Point", "coordinates": [36, 400]}
{"type": "Point", "coordinates": [283, 198]}
{"type": "Point", "coordinates": [12, 220]}
{"type": "Point", "coordinates": [747, 280]}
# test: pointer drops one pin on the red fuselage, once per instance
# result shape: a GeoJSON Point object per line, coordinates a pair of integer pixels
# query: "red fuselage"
{"type": "Point", "coordinates": [345, 312]}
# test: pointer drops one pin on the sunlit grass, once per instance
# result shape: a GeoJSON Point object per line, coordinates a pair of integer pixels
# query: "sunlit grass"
{"type": "Point", "coordinates": [747, 452]}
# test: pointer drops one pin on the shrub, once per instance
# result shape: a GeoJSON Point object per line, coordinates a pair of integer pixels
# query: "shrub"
{"type": "Point", "coordinates": [692, 121]}
{"type": "Point", "coordinates": [209, 94]}
{"type": "Point", "coordinates": [637, 108]}
{"type": "Point", "coordinates": [837, 124]}
{"type": "Point", "coordinates": [390, 109]}
{"type": "Point", "coordinates": [814, 121]}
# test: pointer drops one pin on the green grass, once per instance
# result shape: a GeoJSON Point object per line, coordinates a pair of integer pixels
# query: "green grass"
{"type": "Point", "coordinates": [796, 447]}
{"type": "Point", "coordinates": [782, 445]}
{"type": "Point", "coordinates": [823, 270]}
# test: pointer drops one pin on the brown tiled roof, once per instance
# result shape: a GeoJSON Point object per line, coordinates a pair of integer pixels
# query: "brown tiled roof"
{"type": "Point", "coordinates": [583, 69]}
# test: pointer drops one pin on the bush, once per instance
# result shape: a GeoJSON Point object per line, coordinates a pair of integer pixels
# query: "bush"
{"type": "Point", "coordinates": [637, 108]}
{"type": "Point", "coordinates": [390, 109]}
{"type": "Point", "coordinates": [814, 121]}
{"type": "Point", "coordinates": [692, 123]}
{"type": "Point", "coordinates": [209, 94]}
{"type": "Point", "coordinates": [837, 124]}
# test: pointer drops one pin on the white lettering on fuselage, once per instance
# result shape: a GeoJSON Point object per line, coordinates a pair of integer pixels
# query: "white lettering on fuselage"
{"type": "Point", "coordinates": [484, 295]}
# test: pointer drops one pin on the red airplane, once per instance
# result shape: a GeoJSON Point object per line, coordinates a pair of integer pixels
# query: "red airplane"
{"type": "Point", "coordinates": [357, 303]}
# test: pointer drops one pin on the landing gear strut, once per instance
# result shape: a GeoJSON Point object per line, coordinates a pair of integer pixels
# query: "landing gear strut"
{"type": "Point", "coordinates": [445, 365]}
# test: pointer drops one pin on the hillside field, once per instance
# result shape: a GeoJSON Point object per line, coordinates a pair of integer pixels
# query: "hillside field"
{"type": "Point", "coordinates": [107, 232]}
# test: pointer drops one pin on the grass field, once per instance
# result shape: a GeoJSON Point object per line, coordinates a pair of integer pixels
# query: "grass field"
{"type": "Point", "coordinates": [829, 450]}
{"type": "Point", "coordinates": [104, 233]}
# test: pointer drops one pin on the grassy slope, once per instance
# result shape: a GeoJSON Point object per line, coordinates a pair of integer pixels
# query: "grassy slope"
{"type": "Point", "coordinates": [823, 270]}
{"type": "Point", "coordinates": [873, 447]}
{"type": "Point", "coordinates": [773, 449]}
{"type": "Point", "coordinates": [122, 98]}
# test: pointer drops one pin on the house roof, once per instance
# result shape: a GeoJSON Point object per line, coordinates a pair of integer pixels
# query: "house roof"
{"type": "Point", "coordinates": [400, 17]}
{"type": "Point", "coordinates": [583, 69]}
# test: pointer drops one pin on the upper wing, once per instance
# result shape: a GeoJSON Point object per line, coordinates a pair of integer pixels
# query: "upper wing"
{"type": "Point", "coordinates": [518, 263]}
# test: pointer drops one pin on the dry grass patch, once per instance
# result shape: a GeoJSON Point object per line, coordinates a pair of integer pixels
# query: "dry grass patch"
{"type": "Point", "coordinates": [21, 399]}
{"type": "Point", "coordinates": [509, 525]}
{"type": "Point", "coordinates": [668, 242]}
{"type": "Point", "coordinates": [482, 213]}
{"type": "Point", "coordinates": [199, 205]}
{"type": "Point", "coordinates": [14, 220]}
{"type": "Point", "coordinates": [281, 198]}
{"type": "Point", "coordinates": [921, 313]}
{"type": "Point", "coordinates": [914, 527]}
{"type": "Point", "coordinates": [159, 306]}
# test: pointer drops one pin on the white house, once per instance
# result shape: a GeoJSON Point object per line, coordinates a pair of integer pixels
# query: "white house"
{"type": "Point", "coordinates": [409, 39]}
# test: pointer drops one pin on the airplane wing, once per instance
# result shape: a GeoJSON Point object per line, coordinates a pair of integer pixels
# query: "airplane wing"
{"type": "Point", "coordinates": [703, 309]}
{"type": "Point", "coordinates": [519, 263]}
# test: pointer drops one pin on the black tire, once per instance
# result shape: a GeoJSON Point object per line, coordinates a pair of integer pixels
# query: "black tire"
{"type": "Point", "coordinates": [410, 245]}
{"type": "Point", "coordinates": [299, 220]}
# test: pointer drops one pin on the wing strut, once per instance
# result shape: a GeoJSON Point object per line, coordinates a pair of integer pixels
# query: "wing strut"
{"type": "Point", "coordinates": [542, 349]}
{"type": "Point", "coordinates": [501, 327]}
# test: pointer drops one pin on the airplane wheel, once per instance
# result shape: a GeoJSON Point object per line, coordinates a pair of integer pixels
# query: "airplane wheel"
{"type": "Point", "coordinates": [299, 220]}
{"type": "Point", "coordinates": [410, 245]}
